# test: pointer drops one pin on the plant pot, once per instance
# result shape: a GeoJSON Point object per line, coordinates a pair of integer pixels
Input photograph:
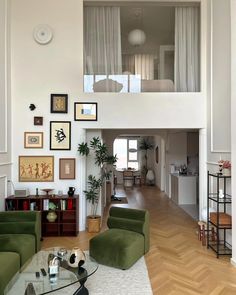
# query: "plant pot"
{"type": "Point", "coordinates": [93, 223]}
{"type": "Point", "coordinates": [226, 172]}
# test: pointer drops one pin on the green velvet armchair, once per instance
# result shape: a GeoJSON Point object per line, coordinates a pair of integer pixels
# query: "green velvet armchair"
{"type": "Point", "coordinates": [126, 240]}
{"type": "Point", "coordinates": [20, 239]}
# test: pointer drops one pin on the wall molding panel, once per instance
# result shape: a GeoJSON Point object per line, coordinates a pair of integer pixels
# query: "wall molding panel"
{"type": "Point", "coordinates": [220, 78]}
{"type": "Point", "coordinates": [3, 191]}
{"type": "Point", "coordinates": [4, 30]}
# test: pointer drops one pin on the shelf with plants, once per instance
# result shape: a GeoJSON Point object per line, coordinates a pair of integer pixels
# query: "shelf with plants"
{"type": "Point", "coordinates": [59, 214]}
{"type": "Point", "coordinates": [218, 217]}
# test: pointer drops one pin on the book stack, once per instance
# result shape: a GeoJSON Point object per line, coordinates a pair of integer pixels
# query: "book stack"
{"type": "Point", "coordinates": [45, 204]}
{"type": "Point", "coordinates": [63, 204]}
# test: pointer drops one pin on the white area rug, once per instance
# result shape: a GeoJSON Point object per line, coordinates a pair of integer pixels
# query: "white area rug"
{"type": "Point", "coordinates": [112, 281]}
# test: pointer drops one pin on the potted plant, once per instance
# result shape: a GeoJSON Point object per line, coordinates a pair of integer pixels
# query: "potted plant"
{"type": "Point", "coordinates": [145, 145]}
{"type": "Point", "coordinates": [92, 194]}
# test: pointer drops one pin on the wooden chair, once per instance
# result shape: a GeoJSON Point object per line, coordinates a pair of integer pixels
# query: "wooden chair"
{"type": "Point", "coordinates": [128, 179]}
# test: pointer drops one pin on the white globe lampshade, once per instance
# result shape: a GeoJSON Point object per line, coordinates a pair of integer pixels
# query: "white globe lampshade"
{"type": "Point", "coordinates": [136, 37]}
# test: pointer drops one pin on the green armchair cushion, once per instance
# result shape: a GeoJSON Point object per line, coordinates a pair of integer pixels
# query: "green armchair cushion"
{"type": "Point", "coordinates": [126, 240]}
{"type": "Point", "coordinates": [117, 248]}
{"type": "Point", "coordinates": [19, 243]}
{"type": "Point", "coordinates": [10, 264]}
{"type": "Point", "coordinates": [22, 222]}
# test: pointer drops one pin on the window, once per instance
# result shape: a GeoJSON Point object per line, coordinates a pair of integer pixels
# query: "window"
{"type": "Point", "coordinates": [148, 48]}
{"type": "Point", "coordinates": [127, 153]}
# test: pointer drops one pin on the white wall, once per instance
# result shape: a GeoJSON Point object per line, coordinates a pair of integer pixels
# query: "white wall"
{"type": "Point", "coordinates": [39, 70]}
{"type": "Point", "coordinates": [233, 123]}
{"type": "Point", "coordinates": [5, 104]}
{"type": "Point", "coordinates": [176, 153]}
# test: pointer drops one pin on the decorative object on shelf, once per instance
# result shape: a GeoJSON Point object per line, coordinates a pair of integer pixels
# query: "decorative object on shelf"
{"type": "Point", "coordinates": [36, 168]}
{"type": "Point", "coordinates": [224, 167]}
{"type": "Point", "coordinates": [38, 121]}
{"type": "Point", "coordinates": [221, 194]}
{"type": "Point", "coordinates": [77, 257]}
{"type": "Point", "coordinates": [62, 253]}
{"type": "Point", "coordinates": [92, 194]}
{"type": "Point", "coordinates": [60, 135]}
{"type": "Point", "coordinates": [43, 34]}
{"type": "Point", "coordinates": [71, 191]}
{"type": "Point", "coordinates": [47, 190]}
{"type": "Point", "coordinates": [33, 140]}
{"type": "Point", "coordinates": [85, 111]}
{"type": "Point", "coordinates": [69, 204]}
{"type": "Point", "coordinates": [32, 107]}
{"type": "Point", "coordinates": [52, 206]}
{"type": "Point", "coordinates": [59, 103]}
{"type": "Point", "coordinates": [51, 216]}
{"type": "Point", "coordinates": [67, 168]}
{"type": "Point", "coordinates": [60, 193]}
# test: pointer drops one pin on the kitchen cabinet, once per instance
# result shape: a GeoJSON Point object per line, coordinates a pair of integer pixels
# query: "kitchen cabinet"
{"type": "Point", "coordinates": [184, 189]}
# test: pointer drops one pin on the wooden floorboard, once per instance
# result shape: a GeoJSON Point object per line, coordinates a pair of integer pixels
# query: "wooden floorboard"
{"type": "Point", "coordinates": [177, 262]}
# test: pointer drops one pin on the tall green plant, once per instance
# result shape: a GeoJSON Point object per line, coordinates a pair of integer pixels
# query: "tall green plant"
{"type": "Point", "coordinates": [146, 144]}
{"type": "Point", "coordinates": [101, 157]}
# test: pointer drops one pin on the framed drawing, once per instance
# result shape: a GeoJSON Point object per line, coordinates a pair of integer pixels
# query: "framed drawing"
{"type": "Point", "coordinates": [67, 168]}
{"type": "Point", "coordinates": [36, 168]}
{"type": "Point", "coordinates": [85, 111]}
{"type": "Point", "coordinates": [59, 103]}
{"type": "Point", "coordinates": [60, 135]}
{"type": "Point", "coordinates": [33, 140]}
{"type": "Point", "coordinates": [38, 121]}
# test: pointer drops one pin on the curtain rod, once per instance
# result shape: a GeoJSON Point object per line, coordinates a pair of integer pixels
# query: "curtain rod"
{"type": "Point", "coordinates": [140, 3]}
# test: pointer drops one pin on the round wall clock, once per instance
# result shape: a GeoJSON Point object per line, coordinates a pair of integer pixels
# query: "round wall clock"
{"type": "Point", "coordinates": [43, 34]}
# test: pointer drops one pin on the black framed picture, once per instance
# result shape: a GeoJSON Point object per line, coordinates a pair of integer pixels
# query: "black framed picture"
{"type": "Point", "coordinates": [85, 111]}
{"type": "Point", "coordinates": [60, 135]}
{"type": "Point", "coordinates": [38, 121]}
{"type": "Point", "coordinates": [59, 103]}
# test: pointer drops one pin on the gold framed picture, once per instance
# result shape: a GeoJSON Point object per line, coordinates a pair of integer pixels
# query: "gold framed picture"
{"type": "Point", "coordinates": [36, 168]}
{"type": "Point", "coordinates": [67, 168]}
{"type": "Point", "coordinates": [33, 140]}
{"type": "Point", "coordinates": [85, 111]}
{"type": "Point", "coordinates": [59, 103]}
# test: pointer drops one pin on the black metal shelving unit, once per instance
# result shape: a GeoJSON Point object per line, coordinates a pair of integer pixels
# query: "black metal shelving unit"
{"type": "Point", "coordinates": [220, 220]}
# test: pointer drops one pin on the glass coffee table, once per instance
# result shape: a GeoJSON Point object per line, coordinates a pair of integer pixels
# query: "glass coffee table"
{"type": "Point", "coordinates": [31, 281]}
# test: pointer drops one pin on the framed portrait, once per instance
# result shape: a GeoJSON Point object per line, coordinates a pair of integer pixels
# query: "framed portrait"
{"type": "Point", "coordinates": [60, 135]}
{"type": "Point", "coordinates": [67, 168]}
{"type": "Point", "coordinates": [85, 111]}
{"type": "Point", "coordinates": [59, 103]}
{"type": "Point", "coordinates": [33, 140]}
{"type": "Point", "coordinates": [36, 168]}
{"type": "Point", "coordinates": [38, 121]}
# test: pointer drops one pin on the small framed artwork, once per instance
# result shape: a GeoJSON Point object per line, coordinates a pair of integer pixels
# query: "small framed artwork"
{"type": "Point", "coordinates": [59, 103]}
{"type": "Point", "coordinates": [85, 111]}
{"type": "Point", "coordinates": [33, 140]}
{"type": "Point", "coordinates": [67, 168]}
{"type": "Point", "coordinates": [36, 168]}
{"type": "Point", "coordinates": [38, 121]}
{"type": "Point", "coordinates": [60, 135]}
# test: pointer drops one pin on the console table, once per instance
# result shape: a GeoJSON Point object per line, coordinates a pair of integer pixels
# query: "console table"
{"type": "Point", "coordinates": [66, 210]}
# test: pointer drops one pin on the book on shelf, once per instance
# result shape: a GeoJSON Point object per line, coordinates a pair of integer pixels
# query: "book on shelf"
{"type": "Point", "coordinates": [63, 204]}
{"type": "Point", "coordinates": [46, 204]}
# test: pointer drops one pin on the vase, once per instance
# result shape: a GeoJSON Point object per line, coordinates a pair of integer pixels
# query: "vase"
{"type": "Point", "coordinates": [77, 257]}
{"type": "Point", "coordinates": [226, 172]}
{"type": "Point", "coordinates": [51, 216]}
{"type": "Point", "coordinates": [71, 191]}
{"type": "Point", "coordinates": [150, 177]}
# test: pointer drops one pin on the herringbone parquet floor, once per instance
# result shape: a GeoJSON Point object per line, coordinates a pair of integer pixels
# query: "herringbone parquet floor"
{"type": "Point", "coordinates": [177, 262]}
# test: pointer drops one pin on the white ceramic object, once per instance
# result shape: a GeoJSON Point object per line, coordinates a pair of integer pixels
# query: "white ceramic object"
{"type": "Point", "coordinates": [150, 177]}
{"type": "Point", "coordinates": [77, 257]}
{"type": "Point", "coordinates": [51, 216]}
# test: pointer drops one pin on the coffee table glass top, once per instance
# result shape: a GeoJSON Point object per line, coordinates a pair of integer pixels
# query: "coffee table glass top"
{"type": "Point", "coordinates": [47, 284]}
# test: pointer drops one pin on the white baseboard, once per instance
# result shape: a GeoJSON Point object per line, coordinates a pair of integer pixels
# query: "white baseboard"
{"type": "Point", "coordinates": [233, 262]}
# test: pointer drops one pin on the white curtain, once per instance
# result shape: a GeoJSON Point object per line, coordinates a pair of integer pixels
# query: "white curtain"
{"type": "Point", "coordinates": [102, 40]}
{"type": "Point", "coordinates": [144, 66]}
{"type": "Point", "coordinates": [187, 53]}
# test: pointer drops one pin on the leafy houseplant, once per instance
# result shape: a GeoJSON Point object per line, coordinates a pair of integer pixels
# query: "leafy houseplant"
{"type": "Point", "coordinates": [145, 144]}
{"type": "Point", "coordinates": [92, 193]}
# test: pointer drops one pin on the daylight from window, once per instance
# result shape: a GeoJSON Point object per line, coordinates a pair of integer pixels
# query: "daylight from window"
{"type": "Point", "coordinates": [127, 153]}
{"type": "Point", "coordinates": [150, 48]}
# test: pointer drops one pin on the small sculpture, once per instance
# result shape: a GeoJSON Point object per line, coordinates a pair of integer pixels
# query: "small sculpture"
{"type": "Point", "coordinates": [77, 257]}
{"type": "Point", "coordinates": [32, 107]}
